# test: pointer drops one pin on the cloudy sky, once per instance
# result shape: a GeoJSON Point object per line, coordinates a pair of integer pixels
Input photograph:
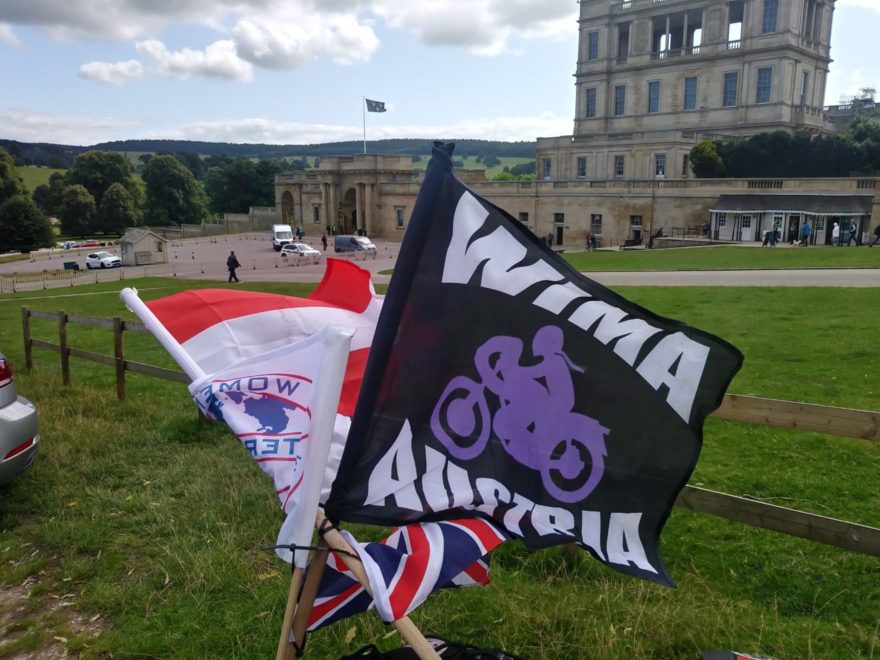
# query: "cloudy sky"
{"type": "Point", "coordinates": [295, 71]}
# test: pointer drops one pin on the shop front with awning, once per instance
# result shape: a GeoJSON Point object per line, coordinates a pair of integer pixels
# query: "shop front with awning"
{"type": "Point", "coordinates": [744, 218]}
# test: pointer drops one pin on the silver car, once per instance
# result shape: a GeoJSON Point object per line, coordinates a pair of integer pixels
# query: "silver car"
{"type": "Point", "coordinates": [18, 427]}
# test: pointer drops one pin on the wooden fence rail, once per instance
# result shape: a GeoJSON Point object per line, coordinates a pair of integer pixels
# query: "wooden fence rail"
{"type": "Point", "coordinates": [861, 424]}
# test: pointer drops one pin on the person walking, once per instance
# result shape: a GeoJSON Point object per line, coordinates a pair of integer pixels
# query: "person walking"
{"type": "Point", "coordinates": [805, 230]}
{"type": "Point", "coordinates": [324, 242]}
{"type": "Point", "coordinates": [835, 234]}
{"type": "Point", "coordinates": [853, 234]}
{"type": "Point", "coordinates": [876, 236]}
{"type": "Point", "coordinates": [231, 265]}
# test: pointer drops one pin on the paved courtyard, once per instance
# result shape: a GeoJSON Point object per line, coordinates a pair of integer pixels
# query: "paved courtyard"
{"type": "Point", "coordinates": [205, 258]}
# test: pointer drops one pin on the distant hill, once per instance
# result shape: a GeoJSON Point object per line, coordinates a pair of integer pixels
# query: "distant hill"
{"type": "Point", "coordinates": [59, 155]}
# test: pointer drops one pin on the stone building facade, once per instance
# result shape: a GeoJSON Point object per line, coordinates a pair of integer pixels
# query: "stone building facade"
{"type": "Point", "coordinates": [653, 78]}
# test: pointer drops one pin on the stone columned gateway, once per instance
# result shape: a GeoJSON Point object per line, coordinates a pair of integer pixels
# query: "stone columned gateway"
{"type": "Point", "coordinates": [347, 194]}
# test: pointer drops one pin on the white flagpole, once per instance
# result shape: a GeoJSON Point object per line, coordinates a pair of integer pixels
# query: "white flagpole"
{"type": "Point", "coordinates": [130, 297]}
{"type": "Point", "coordinates": [364, 111]}
{"type": "Point", "coordinates": [325, 401]}
{"type": "Point", "coordinates": [300, 524]}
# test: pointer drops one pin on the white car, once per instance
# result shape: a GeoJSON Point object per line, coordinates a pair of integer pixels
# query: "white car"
{"type": "Point", "coordinates": [102, 260]}
{"type": "Point", "coordinates": [299, 249]}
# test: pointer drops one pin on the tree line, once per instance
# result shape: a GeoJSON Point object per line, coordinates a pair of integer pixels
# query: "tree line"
{"type": "Point", "coordinates": [62, 156]}
{"type": "Point", "coordinates": [854, 151]}
{"type": "Point", "coordinates": [101, 194]}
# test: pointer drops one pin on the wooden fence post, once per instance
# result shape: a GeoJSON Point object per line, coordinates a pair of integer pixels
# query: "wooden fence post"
{"type": "Point", "coordinates": [62, 344]}
{"type": "Point", "coordinates": [120, 357]}
{"type": "Point", "coordinates": [26, 331]}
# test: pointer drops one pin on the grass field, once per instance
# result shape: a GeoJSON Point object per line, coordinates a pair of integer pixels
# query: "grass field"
{"type": "Point", "coordinates": [152, 524]}
{"type": "Point", "coordinates": [724, 258]}
{"type": "Point", "coordinates": [36, 176]}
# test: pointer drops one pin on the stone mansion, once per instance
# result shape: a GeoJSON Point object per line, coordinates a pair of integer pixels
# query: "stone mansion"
{"type": "Point", "coordinates": [653, 78]}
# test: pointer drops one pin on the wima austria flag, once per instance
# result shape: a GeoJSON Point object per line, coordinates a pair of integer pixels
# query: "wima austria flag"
{"type": "Point", "coordinates": [503, 383]}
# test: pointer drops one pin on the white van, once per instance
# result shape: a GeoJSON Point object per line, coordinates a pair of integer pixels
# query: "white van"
{"type": "Point", "coordinates": [281, 235]}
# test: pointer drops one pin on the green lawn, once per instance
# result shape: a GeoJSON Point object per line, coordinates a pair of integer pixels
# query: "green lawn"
{"type": "Point", "coordinates": [724, 258]}
{"type": "Point", "coordinates": [140, 515]}
{"type": "Point", "coordinates": [36, 176]}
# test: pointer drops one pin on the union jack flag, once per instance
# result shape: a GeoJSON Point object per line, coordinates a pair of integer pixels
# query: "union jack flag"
{"type": "Point", "coordinates": [406, 568]}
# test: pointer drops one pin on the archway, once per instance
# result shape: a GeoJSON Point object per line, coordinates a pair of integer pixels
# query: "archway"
{"type": "Point", "coordinates": [287, 213]}
{"type": "Point", "coordinates": [346, 215]}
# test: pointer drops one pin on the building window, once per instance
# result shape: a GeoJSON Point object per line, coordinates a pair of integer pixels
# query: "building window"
{"type": "Point", "coordinates": [559, 219]}
{"type": "Point", "coordinates": [592, 45]}
{"type": "Point", "coordinates": [722, 219]}
{"type": "Point", "coordinates": [399, 213]}
{"type": "Point", "coordinates": [805, 87]}
{"type": "Point", "coordinates": [159, 246]}
{"type": "Point", "coordinates": [524, 217]}
{"type": "Point", "coordinates": [765, 79]}
{"type": "Point", "coordinates": [771, 9]}
{"type": "Point", "coordinates": [820, 224]}
{"type": "Point", "coordinates": [618, 165]}
{"type": "Point", "coordinates": [659, 164]}
{"type": "Point", "coordinates": [582, 166]}
{"type": "Point", "coordinates": [547, 169]}
{"type": "Point", "coordinates": [731, 81]}
{"type": "Point", "coordinates": [690, 93]}
{"type": "Point", "coordinates": [316, 215]}
{"type": "Point", "coordinates": [635, 221]}
{"type": "Point", "coordinates": [685, 165]}
{"type": "Point", "coordinates": [596, 224]}
{"type": "Point", "coordinates": [619, 100]}
{"type": "Point", "coordinates": [654, 96]}
{"type": "Point", "coordinates": [746, 222]}
{"type": "Point", "coordinates": [591, 102]}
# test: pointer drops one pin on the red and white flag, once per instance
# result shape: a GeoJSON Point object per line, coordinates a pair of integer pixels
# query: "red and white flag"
{"type": "Point", "coordinates": [220, 327]}
{"type": "Point", "coordinates": [254, 359]}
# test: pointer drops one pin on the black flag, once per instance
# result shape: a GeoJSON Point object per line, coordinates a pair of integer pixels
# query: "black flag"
{"type": "Point", "coordinates": [375, 106]}
{"type": "Point", "coordinates": [503, 383]}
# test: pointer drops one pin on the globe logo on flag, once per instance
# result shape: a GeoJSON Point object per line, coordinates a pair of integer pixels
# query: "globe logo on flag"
{"type": "Point", "coordinates": [267, 412]}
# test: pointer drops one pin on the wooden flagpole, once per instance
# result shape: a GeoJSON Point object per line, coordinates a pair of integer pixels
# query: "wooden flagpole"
{"type": "Point", "coordinates": [286, 650]}
{"type": "Point", "coordinates": [307, 597]}
{"type": "Point", "coordinates": [334, 541]}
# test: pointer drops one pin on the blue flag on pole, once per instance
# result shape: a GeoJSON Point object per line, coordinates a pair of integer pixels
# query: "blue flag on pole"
{"type": "Point", "coordinates": [375, 106]}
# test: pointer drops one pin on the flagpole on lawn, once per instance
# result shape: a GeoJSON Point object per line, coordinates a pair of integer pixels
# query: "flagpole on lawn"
{"type": "Point", "coordinates": [404, 625]}
{"type": "Point", "coordinates": [364, 112]}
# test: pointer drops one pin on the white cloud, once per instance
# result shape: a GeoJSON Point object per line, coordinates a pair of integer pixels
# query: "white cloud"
{"type": "Point", "coordinates": [218, 60]}
{"type": "Point", "coordinates": [27, 126]}
{"type": "Point", "coordinates": [482, 27]}
{"type": "Point", "coordinates": [291, 33]}
{"type": "Point", "coordinates": [119, 19]}
{"type": "Point", "coordinates": [7, 36]}
{"type": "Point", "coordinates": [864, 4]}
{"type": "Point", "coordinates": [296, 43]}
{"type": "Point", "coordinates": [275, 132]}
{"type": "Point", "coordinates": [117, 74]}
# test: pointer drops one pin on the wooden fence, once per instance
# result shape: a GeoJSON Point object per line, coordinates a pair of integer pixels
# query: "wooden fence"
{"type": "Point", "coordinates": [861, 424]}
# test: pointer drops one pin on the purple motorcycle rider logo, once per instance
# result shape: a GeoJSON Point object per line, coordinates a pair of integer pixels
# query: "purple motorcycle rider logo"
{"type": "Point", "coordinates": [534, 420]}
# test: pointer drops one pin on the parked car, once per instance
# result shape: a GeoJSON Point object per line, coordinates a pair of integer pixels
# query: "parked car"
{"type": "Point", "coordinates": [19, 438]}
{"type": "Point", "coordinates": [353, 244]}
{"type": "Point", "coordinates": [89, 243]}
{"type": "Point", "coordinates": [300, 249]}
{"type": "Point", "coordinates": [102, 260]}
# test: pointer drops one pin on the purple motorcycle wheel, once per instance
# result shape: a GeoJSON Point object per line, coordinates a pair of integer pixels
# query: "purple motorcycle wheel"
{"type": "Point", "coordinates": [461, 420]}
